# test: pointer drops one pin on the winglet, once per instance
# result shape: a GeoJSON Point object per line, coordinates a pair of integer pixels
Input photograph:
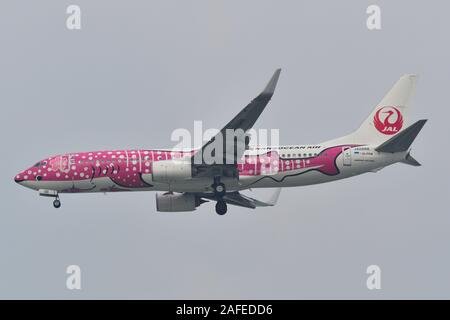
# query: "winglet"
{"type": "Point", "coordinates": [270, 87]}
{"type": "Point", "coordinates": [274, 198]}
{"type": "Point", "coordinates": [271, 201]}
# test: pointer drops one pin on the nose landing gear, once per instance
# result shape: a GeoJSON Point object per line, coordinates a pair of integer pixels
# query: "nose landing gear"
{"type": "Point", "coordinates": [51, 194]}
{"type": "Point", "coordinates": [57, 203]}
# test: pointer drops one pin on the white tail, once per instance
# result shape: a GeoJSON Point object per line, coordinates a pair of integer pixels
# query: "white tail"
{"type": "Point", "coordinates": [390, 116]}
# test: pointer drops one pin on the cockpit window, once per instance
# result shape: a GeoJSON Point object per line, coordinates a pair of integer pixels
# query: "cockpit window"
{"type": "Point", "coordinates": [40, 163]}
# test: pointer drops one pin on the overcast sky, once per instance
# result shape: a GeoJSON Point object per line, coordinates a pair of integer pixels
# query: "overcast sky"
{"type": "Point", "coordinates": [137, 70]}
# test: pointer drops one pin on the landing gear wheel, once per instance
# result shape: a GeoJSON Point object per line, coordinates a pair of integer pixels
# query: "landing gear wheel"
{"type": "Point", "coordinates": [219, 189]}
{"type": "Point", "coordinates": [57, 203]}
{"type": "Point", "coordinates": [221, 207]}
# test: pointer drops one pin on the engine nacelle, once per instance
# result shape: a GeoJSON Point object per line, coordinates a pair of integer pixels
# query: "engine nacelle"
{"type": "Point", "coordinates": [176, 202]}
{"type": "Point", "coordinates": [167, 171]}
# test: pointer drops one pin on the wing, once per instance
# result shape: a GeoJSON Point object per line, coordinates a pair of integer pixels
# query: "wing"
{"type": "Point", "coordinates": [224, 149]}
{"type": "Point", "coordinates": [238, 199]}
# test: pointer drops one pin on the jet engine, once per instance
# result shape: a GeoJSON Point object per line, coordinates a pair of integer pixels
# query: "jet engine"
{"type": "Point", "coordinates": [176, 202]}
{"type": "Point", "coordinates": [167, 171]}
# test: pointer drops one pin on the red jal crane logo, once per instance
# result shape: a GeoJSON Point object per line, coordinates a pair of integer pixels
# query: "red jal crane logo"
{"type": "Point", "coordinates": [388, 120]}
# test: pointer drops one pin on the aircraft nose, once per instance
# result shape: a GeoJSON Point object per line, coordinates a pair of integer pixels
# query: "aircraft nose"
{"type": "Point", "coordinates": [18, 178]}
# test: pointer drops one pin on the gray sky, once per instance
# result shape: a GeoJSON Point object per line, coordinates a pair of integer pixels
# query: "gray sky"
{"type": "Point", "coordinates": [139, 69]}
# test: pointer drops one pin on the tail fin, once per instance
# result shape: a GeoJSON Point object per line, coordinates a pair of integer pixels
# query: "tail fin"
{"type": "Point", "coordinates": [390, 116]}
{"type": "Point", "coordinates": [402, 141]}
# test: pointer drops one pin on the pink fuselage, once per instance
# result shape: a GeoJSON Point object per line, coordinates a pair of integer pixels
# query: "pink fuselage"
{"type": "Point", "coordinates": [129, 170]}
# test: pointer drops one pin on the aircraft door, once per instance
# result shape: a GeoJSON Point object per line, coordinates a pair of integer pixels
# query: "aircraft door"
{"type": "Point", "coordinates": [347, 156]}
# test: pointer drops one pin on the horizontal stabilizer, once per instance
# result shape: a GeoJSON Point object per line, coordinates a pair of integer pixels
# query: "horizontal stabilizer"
{"type": "Point", "coordinates": [403, 140]}
{"type": "Point", "coordinates": [411, 161]}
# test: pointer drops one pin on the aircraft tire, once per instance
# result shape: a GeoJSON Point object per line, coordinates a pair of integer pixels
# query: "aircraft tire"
{"type": "Point", "coordinates": [221, 208]}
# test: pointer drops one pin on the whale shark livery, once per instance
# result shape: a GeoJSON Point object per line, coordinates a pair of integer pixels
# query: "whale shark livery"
{"type": "Point", "coordinates": [186, 179]}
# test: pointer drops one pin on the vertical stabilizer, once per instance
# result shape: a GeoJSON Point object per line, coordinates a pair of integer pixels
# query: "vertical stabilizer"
{"type": "Point", "coordinates": [390, 116]}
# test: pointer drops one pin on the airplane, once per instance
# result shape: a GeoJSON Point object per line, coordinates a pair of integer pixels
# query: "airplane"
{"type": "Point", "coordinates": [382, 140]}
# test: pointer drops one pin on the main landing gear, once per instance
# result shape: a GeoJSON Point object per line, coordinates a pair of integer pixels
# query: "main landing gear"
{"type": "Point", "coordinates": [221, 207]}
{"type": "Point", "coordinates": [219, 191]}
{"type": "Point", "coordinates": [218, 187]}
